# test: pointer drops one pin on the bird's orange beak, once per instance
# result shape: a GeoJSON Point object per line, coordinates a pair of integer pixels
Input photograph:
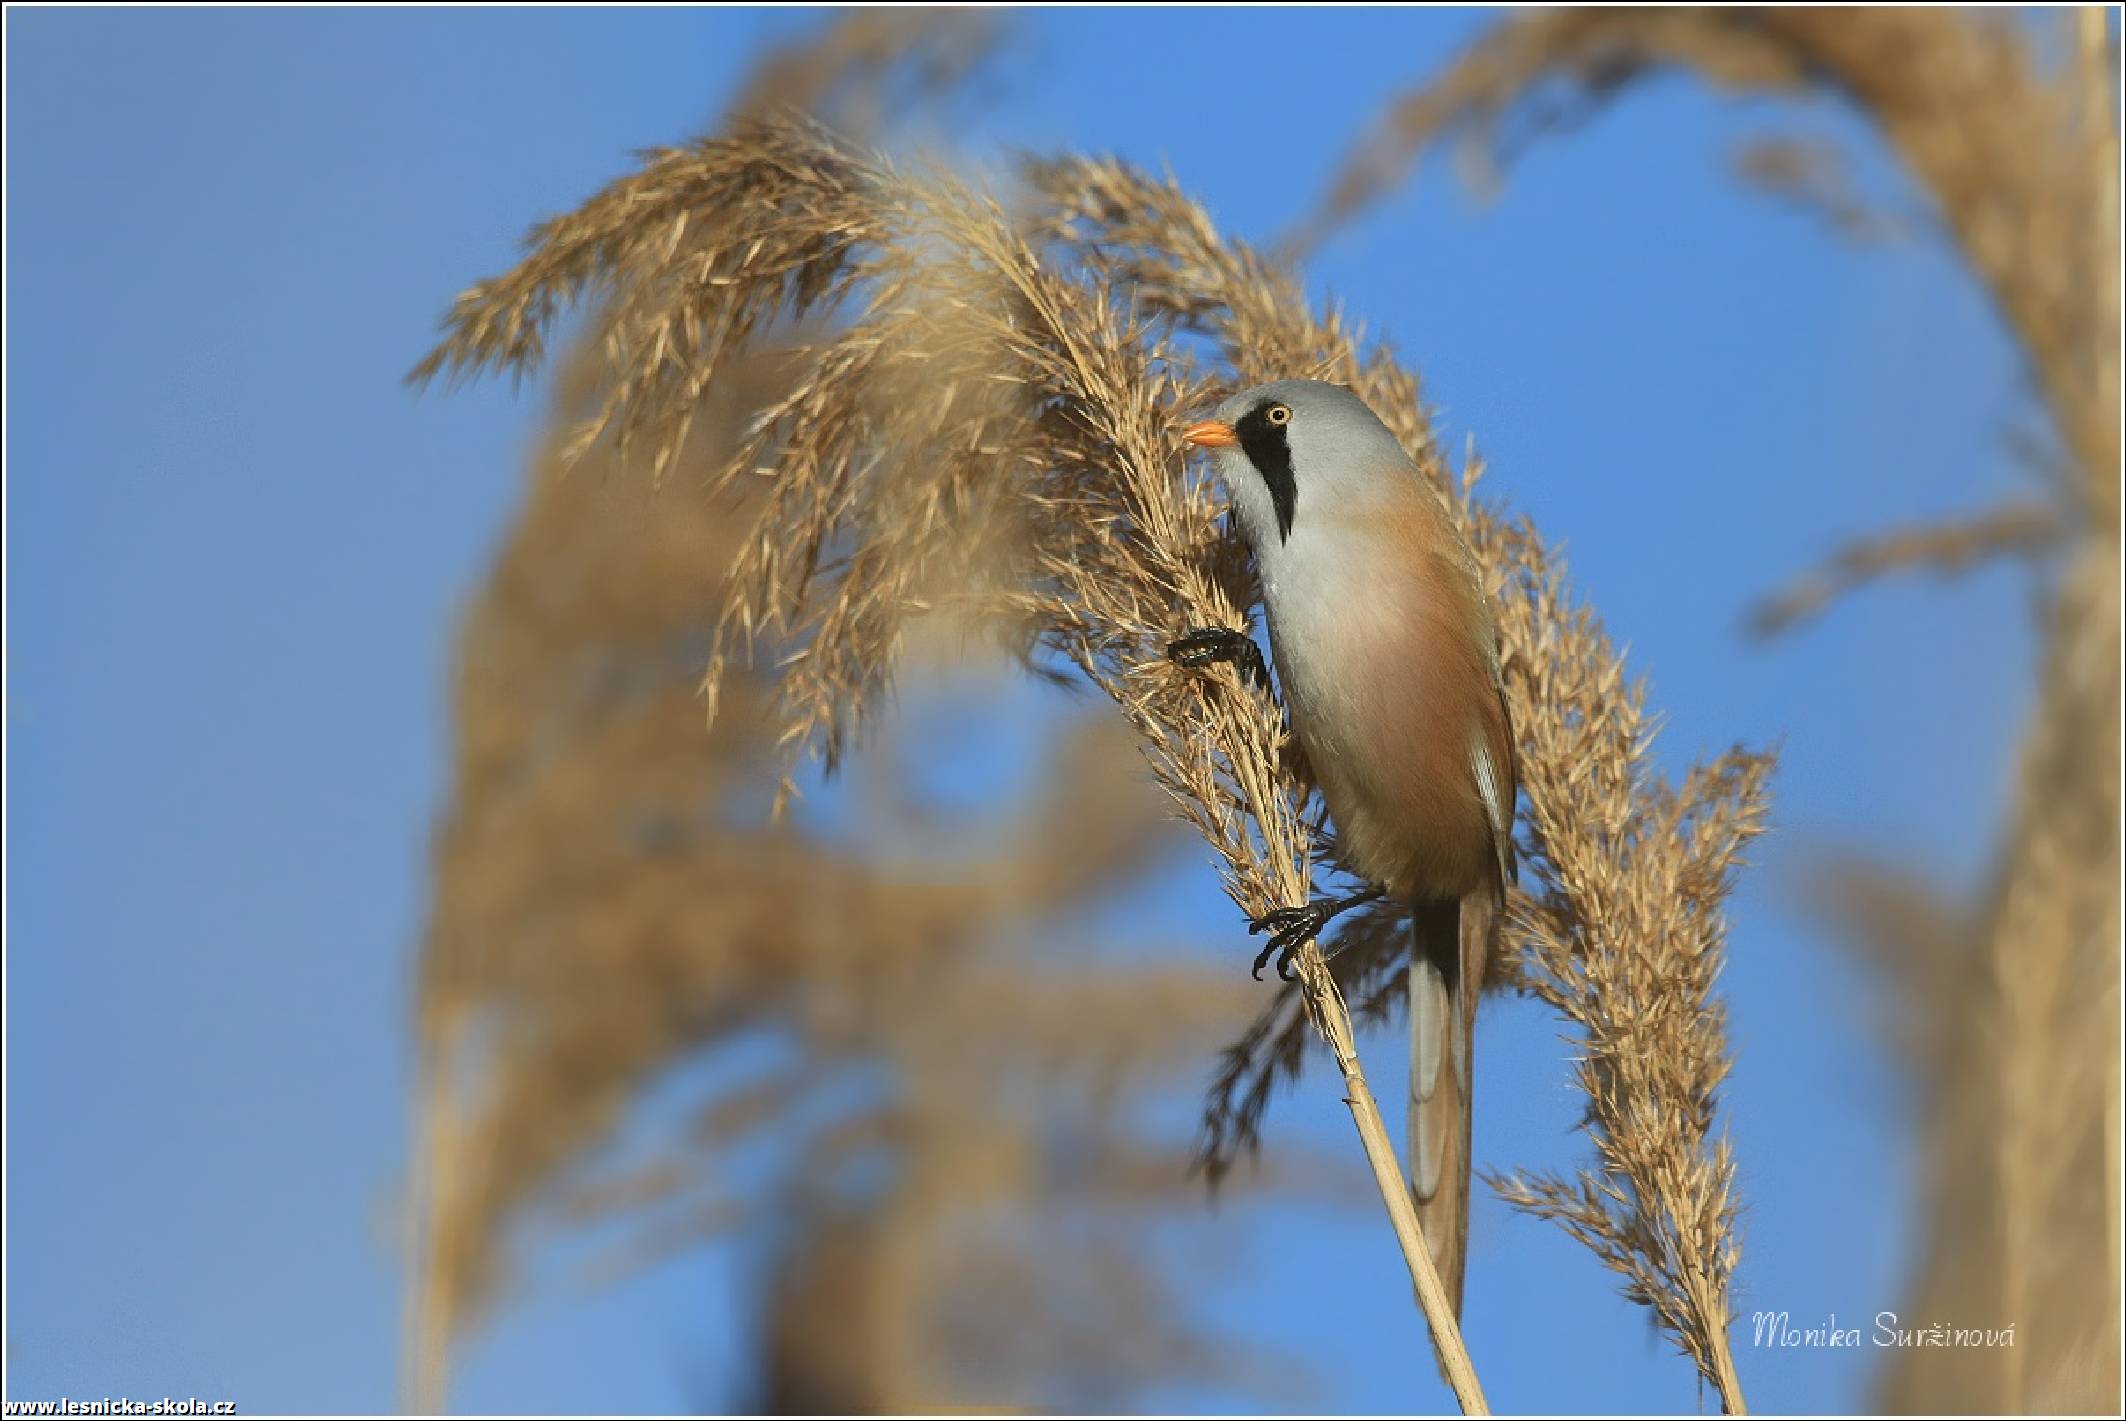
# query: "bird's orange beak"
{"type": "Point", "coordinates": [1210, 434]}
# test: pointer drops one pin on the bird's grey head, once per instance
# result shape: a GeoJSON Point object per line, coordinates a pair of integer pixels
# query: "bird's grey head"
{"type": "Point", "coordinates": [1295, 449]}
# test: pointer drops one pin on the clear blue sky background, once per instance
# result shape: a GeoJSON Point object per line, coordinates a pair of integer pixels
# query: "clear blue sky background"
{"type": "Point", "coordinates": [235, 547]}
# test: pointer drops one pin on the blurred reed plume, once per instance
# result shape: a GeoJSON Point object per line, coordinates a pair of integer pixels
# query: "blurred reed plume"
{"type": "Point", "coordinates": [905, 1110]}
{"type": "Point", "coordinates": [1002, 395]}
{"type": "Point", "coordinates": [2009, 1007]}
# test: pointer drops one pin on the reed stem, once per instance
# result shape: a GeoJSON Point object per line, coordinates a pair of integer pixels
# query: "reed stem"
{"type": "Point", "coordinates": [1325, 1004]}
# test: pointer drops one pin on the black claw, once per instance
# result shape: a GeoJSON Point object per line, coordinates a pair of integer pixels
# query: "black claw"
{"type": "Point", "coordinates": [1262, 959]}
{"type": "Point", "coordinates": [1282, 947]}
{"type": "Point", "coordinates": [1290, 928]}
{"type": "Point", "coordinates": [1206, 646]}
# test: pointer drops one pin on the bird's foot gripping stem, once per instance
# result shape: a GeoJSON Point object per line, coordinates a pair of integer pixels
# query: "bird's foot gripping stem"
{"type": "Point", "coordinates": [1207, 645]}
{"type": "Point", "coordinates": [1290, 927]}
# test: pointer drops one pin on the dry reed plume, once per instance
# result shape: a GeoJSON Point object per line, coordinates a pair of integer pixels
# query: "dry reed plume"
{"type": "Point", "coordinates": [1622, 933]}
{"type": "Point", "coordinates": [992, 378]}
{"type": "Point", "coordinates": [2009, 127]}
{"type": "Point", "coordinates": [612, 902]}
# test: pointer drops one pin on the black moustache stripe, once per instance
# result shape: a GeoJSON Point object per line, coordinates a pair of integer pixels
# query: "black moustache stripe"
{"type": "Point", "coordinates": [1271, 453]}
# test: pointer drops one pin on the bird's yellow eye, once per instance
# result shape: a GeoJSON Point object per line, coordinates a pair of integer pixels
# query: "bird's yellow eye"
{"type": "Point", "coordinates": [1278, 414]}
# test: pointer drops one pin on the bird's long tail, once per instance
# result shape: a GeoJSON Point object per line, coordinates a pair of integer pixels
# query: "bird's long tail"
{"type": "Point", "coordinates": [1446, 972]}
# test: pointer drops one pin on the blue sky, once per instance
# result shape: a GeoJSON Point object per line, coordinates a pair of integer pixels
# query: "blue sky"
{"type": "Point", "coordinates": [236, 547]}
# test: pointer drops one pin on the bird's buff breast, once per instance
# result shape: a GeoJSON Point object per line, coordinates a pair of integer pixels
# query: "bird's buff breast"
{"type": "Point", "coordinates": [1355, 640]}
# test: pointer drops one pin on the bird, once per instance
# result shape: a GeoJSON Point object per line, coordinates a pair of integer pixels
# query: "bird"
{"type": "Point", "coordinates": [1387, 654]}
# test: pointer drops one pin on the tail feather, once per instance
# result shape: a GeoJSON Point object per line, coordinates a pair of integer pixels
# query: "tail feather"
{"type": "Point", "coordinates": [1446, 971]}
